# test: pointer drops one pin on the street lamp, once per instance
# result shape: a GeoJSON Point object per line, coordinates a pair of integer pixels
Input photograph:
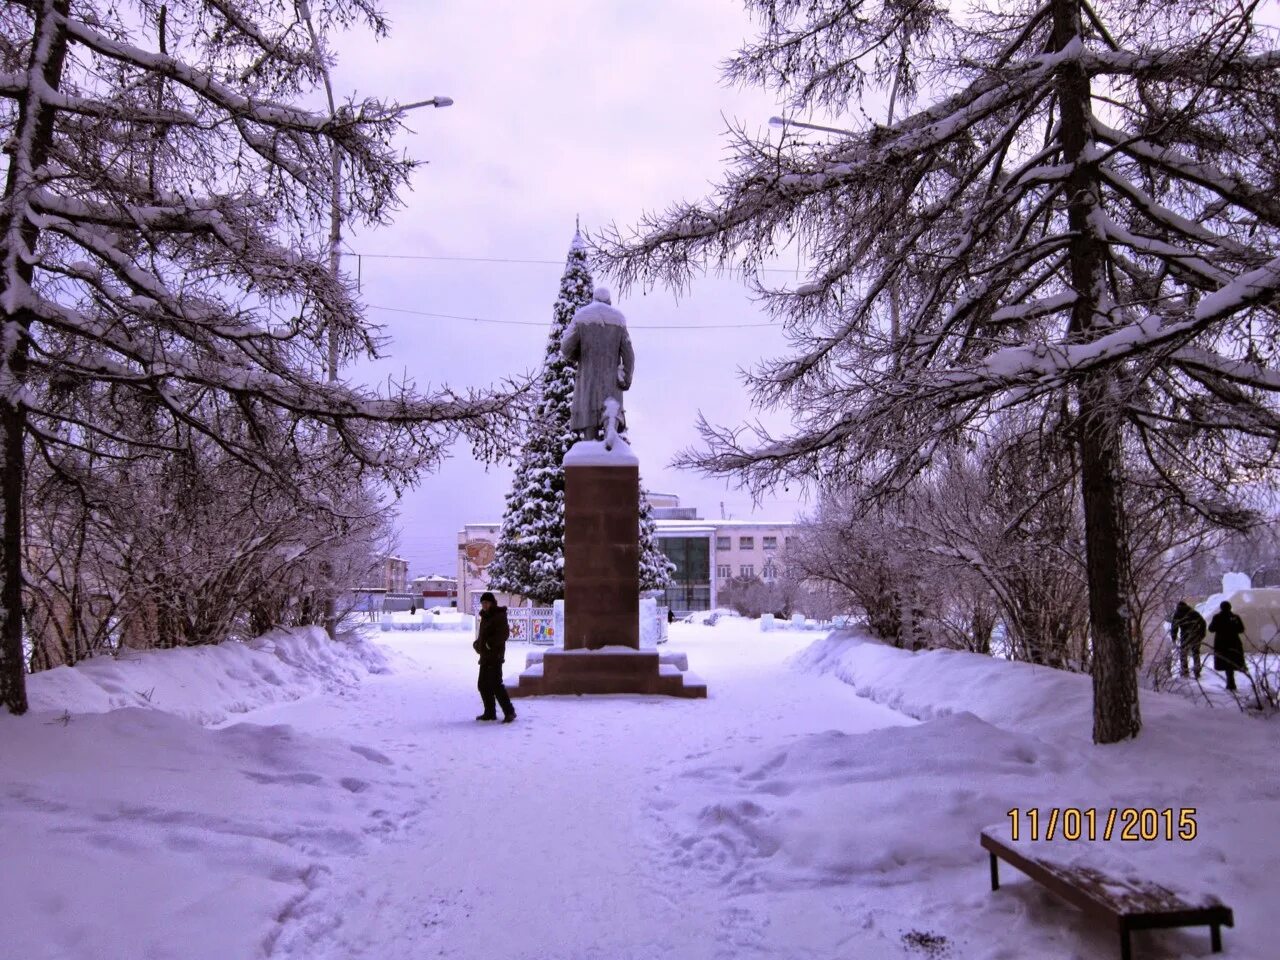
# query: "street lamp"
{"type": "Point", "coordinates": [335, 171]}
{"type": "Point", "coordinates": [335, 204]}
{"type": "Point", "coordinates": [787, 122]}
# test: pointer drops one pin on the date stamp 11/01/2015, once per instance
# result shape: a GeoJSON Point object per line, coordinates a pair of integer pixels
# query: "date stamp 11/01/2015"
{"type": "Point", "coordinates": [1130, 824]}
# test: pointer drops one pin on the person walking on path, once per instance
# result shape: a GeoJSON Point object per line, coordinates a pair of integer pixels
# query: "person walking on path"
{"type": "Point", "coordinates": [1228, 646]}
{"type": "Point", "coordinates": [491, 644]}
{"type": "Point", "coordinates": [1188, 630]}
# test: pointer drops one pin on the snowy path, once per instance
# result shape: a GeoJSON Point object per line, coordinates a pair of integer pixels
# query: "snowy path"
{"type": "Point", "coordinates": [545, 838]}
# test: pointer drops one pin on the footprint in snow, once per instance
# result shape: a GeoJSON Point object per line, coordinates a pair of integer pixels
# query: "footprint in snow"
{"type": "Point", "coordinates": [370, 754]}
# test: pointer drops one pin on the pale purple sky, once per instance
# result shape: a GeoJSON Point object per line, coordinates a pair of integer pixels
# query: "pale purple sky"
{"type": "Point", "coordinates": [603, 109]}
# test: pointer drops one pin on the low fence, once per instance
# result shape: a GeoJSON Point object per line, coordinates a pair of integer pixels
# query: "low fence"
{"type": "Point", "coordinates": [536, 625]}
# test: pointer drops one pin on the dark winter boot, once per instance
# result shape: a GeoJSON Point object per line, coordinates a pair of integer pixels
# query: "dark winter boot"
{"type": "Point", "coordinates": [487, 716]}
{"type": "Point", "coordinates": [509, 717]}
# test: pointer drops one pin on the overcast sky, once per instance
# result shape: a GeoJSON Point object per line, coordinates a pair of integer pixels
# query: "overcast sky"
{"type": "Point", "coordinates": [596, 108]}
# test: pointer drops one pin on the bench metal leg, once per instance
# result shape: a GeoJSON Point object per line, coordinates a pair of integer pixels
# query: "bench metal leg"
{"type": "Point", "coordinates": [995, 873]}
{"type": "Point", "coordinates": [1215, 937]}
{"type": "Point", "coordinates": [1125, 952]}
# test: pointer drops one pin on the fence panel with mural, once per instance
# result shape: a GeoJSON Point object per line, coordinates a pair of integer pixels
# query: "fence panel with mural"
{"type": "Point", "coordinates": [531, 625]}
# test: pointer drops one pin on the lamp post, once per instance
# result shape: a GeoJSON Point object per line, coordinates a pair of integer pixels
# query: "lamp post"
{"type": "Point", "coordinates": [335, 238]}
{"type": "Point", "coordinates": [335, 169]}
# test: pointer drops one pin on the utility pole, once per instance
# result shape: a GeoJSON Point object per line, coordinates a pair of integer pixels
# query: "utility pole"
{"type": "Point", "coordinates": [335, 238]}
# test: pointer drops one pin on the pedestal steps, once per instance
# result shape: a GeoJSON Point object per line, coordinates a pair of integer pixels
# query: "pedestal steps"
{"type": "Point", "coordinates": [607, 670]}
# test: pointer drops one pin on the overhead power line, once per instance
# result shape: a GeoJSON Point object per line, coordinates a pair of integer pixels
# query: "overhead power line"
{"type": "Point", "coordinates": [422, 256]}
{"type": "Point", "coordinates": [538, 323]}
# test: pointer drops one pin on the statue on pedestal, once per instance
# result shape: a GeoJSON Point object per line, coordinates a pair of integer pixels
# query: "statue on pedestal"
{"type": "Point", "coordinates": [597, 341]}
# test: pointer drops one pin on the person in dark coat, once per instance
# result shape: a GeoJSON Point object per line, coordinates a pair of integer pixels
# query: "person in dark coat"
{"type": "Point", "coordinates": [491, 644]}
{"type": "Point", "coordinates": [1188, 630]}
{"type": "Point", "coordinates": [1228, 644]}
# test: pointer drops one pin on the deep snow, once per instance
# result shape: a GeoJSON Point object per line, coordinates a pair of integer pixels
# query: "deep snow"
{"type": "Point", "coordinates": [824, 802]}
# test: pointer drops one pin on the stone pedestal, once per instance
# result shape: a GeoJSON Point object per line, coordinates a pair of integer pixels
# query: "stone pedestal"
{"type": "Point", "coordinates": [602, 587]}
{"type": "Point", "coordinates": [601, 556]}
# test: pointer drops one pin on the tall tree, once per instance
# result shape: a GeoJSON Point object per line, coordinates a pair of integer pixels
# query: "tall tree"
{"type": "Point", "coordinates": [1078, 203]}
{"type": "Point", "coordinates": [529, 558]}
{"type": "Point", "coordinates": [159, 237]}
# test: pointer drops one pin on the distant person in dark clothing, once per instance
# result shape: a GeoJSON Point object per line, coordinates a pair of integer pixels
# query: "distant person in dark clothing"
{"type": "Point", "coordinates": [671, 615]}
{"type": "Point", "coordinates": [491, 644]}
{"type": "Point", "coordinates": [1228, 644]}
{"type": "Point", "coordinates": [1188, 630]}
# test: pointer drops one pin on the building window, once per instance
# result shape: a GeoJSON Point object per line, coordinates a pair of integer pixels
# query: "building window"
{"type": "Point", "coordinates": [770, 572]}
{"type": "Point", "coordinates": [690, 588]}
{"type": "Point", "coordinates": [746, 543]}
{"type": "Point", "coordinates": [770, 543]}
{"type": "Point", "coordinates": [787, 542]}
{"type": "Point", "coordinates": [747, 570]}
{"type": "Point", "coordinates": [724, 571]}
{"type": "Point", "coordinates": [722, 543]}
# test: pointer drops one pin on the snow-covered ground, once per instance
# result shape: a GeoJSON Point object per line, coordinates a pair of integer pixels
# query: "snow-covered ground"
{"type": "Point", "coordinates": [305, 800]}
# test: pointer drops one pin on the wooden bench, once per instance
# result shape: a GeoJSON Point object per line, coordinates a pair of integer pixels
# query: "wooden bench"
{"type": "Point", "coordinates": [1125, 905]}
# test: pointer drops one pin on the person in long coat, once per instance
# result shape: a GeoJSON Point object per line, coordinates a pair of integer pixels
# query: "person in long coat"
{"type": "Point", "coordinates": [1228, 644]}
{"type": "Point", "coordinates": [1188, 630]}
{"type": "Point", "coordinates": [491, 644]}
{"type": "Point", "coordinates": [596, 340]}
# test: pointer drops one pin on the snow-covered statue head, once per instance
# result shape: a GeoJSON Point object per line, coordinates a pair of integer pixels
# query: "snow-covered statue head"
{"type": "Point", "coordinates": [597, 341]}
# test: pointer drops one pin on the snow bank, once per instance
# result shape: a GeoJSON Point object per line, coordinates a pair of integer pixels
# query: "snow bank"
{"type": "Point", "coordinates": [209, 684]}
{"type": "Point", "coordinates": [929, 684]}
{"type": "Point", "coordinates": [1053, 704]}
{"type": "Point", "coordinates": [136, 833]}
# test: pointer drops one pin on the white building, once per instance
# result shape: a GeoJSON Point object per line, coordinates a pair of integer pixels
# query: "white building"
{"type": "Point", "coordinates": [707, 554]}
{"type": "Point", "coordinates": [435, 590]}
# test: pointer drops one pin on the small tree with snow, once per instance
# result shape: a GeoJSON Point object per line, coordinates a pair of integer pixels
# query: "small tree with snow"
{"type": "Point", "coordinates": [159, 244]}
{"type": "Point", "coordinates": [1077, 203]}
{"type": "Point", "coordinates": [529, 558]}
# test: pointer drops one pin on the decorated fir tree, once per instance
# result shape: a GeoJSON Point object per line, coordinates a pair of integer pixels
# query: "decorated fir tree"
{"type": "Point", "coordinates": [529, 558]}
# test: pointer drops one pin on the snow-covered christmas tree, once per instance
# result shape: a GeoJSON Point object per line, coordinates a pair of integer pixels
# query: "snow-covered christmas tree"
{"type": "Point", "coordinates": [529, 559]}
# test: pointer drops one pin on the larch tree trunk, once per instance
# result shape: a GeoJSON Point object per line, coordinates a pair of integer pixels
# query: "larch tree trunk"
{"type": "Point", "coordinates": [1115, 685]}
{"type": "Point", "coordinates": [18, 237]}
